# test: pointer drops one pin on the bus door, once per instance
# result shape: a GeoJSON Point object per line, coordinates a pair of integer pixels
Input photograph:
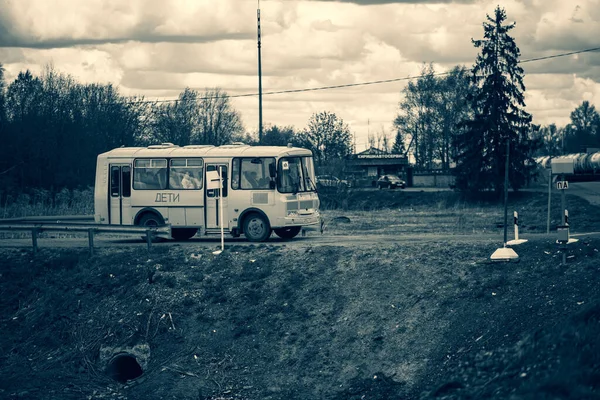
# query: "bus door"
{"type": "Point", "coordinates": [119, 208]}
{"type": "Point", "coordinates": [212, 202]}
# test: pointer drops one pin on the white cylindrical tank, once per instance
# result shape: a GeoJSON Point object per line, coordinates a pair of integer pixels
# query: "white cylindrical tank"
{"type": "Point", "coordinates": [595, 162]}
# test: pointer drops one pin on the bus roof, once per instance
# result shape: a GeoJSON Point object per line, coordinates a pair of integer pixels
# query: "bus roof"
{"type": "Point", "coordinates": [233, 150]}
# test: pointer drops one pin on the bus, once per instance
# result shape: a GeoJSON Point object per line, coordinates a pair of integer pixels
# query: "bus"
{"type": "Point", "coordinates": [265, 189]}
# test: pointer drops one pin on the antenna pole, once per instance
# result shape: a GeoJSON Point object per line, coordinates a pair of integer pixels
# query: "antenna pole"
{"type": "Point", "coordinates": [260, 122]}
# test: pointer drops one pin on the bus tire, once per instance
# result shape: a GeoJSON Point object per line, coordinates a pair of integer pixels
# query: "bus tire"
{"type": "Point", "coordinates": [256, 228]}
{"type": "Point", "coordinates": [287, 233]}
{"type": "Point", "coordinates": [183, 233]}
{"type": "Point", "coordinates": [151, 219]}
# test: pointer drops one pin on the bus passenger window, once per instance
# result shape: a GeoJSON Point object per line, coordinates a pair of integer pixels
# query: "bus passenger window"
{"type": "Point", "coordinates": [235, 173]}
{"type": "Point", "coordinates": [150, 174]}
{"type": "Point", "coordinates": [255, 173]}
{"type": "Point", "coordinates": [186, 173]}
{"type": "Point", "coordinates": [126, 181]}
{"type": "Point", "coordinates": [115, 181]}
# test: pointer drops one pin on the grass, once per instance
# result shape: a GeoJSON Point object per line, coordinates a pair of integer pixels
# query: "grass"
{"type": "Point", "coordinates": [41, 202]}
{"type": "Point", "coordinates": [397, 212]}
{"type": "Point", "coordinates": [461, 220]}
{"type": "Point", "coordinates": [367, 211]}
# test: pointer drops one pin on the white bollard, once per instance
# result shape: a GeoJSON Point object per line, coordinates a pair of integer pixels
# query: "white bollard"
{"type": "Point", "coordinates": [516, 224]}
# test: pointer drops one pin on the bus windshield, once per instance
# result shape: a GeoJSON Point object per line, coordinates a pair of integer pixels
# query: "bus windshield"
{"type": "Point", "coordinates": [295, 174]}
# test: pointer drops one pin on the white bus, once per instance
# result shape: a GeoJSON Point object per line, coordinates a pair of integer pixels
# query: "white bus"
{"type": "Point", "coordinates": [265, 189]}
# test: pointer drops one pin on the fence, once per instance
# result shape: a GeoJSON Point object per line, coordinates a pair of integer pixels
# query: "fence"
{"type": "Point", "coordinates": [77, 224]}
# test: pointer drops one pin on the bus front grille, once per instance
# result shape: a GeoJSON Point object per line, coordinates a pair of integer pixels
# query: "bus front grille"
{"type": "Point", "coordinates": [306, 204]}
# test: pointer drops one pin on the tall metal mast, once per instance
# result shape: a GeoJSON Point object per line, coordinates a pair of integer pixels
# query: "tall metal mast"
{"type": "Point", "coordinates": [260, 123]}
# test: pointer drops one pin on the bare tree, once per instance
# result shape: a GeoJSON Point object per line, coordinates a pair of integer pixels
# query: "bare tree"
{"type": "Point", "coordinates": [219, 122]}
{"type": "Point", "coordinates": [329, 137]}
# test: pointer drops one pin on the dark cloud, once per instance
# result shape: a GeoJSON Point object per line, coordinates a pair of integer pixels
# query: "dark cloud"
{"type": "Point", "coordinates": [9, 40]}
{"type": "Point", "coordinates": [376, 2]}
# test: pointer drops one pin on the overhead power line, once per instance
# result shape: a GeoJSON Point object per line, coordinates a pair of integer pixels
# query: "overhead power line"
{"type": "Point", "coordinates": [559, 55]}
{"type": "Point", "coordinates": [367, 83]}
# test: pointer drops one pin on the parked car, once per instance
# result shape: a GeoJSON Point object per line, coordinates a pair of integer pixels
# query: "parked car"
{"type": "Point", "coordinates": [331, 181]}
{"type": "Point", "coordinates": [390, 181]}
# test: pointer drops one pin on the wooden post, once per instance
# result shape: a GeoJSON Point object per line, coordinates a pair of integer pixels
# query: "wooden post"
{"type": "Point", "coordinates": [91, 240]}
{"type": "Point", "coordinates": [149, 238]}
{"type": "Point", "coordinates": [34, 240]}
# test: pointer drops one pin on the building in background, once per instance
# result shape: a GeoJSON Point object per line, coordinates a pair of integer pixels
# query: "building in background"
{"type": "Point", "coordinates": [365, 167]}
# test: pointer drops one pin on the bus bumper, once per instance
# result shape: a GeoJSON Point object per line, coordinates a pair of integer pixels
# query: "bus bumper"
{"type": "Point", "coordinates": [299, 220]}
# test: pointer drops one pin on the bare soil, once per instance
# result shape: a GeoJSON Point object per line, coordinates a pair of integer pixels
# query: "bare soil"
{"type": "Point", "coordinates": [427, 319]}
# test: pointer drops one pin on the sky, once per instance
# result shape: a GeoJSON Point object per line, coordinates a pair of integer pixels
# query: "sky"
{"type": "Point", "coordinates": [157, 48]}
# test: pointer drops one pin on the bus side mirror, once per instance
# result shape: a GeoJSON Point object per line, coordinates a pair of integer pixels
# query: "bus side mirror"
{"type": "Point", "coordinates": [272, 171]}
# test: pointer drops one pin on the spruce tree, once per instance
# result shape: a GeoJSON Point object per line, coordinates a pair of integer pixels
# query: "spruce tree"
{"type": "Point", "coordinates": [499, 115]}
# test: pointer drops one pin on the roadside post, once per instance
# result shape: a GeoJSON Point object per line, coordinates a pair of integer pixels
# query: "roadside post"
{"type": "Point", "coordinates": [221, 207]}
{"type": "Point", "coordinates": [561, 168]}
{"type": "Point", "coordinates": [149, 237]}
{"type": "Point", "coordinates": [34, 240]}
{"type": "Point", "coordinates": [516, 240]}
{"type": "Point", "coordinates": [563, 236]}
{"type": "Point", "coordinates": [505, 253]}
{"type": "Point", "coordinates": [91, 240]}
{"type": "Point", "coordinates": [214, 180]}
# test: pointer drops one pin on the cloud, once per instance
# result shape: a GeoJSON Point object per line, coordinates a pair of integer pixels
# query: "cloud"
{"type": "Point", "coordinates": [62, 42]}
{"type": "Point", "coordinates": [568, 26]}
{"type": "Point", "coordinates": [65, 23]}
{"type": "Point", "coordinates": [379, 2]}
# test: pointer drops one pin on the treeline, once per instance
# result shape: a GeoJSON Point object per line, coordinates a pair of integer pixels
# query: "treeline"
{"type": "Point", "coordinates": [429, 118]}
{"type": "Point", "coordinates": [52, 128]}
{"type": "Point", "coordinates": [583, 132]}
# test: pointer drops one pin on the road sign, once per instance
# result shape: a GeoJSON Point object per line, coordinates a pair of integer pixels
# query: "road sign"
{"type": "Point", "coordinates": [562, 185]}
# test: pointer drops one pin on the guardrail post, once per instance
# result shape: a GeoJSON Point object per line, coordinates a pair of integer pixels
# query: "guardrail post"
{"type": "Point", "coordinates": [91, 240]}
{"type": "Point", "coordinates": [34, 240]}
{"type": "Point", "coordinates": [149, 238]}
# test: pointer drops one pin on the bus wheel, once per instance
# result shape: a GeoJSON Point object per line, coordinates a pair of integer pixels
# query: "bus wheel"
{"type": "Point", "coordinates": [287, 233]}
{"type": "Point", "coordinates": [183, 233]}
{"type": "Point", "coordinates": [151, 219]}
{"type": "Point", "coordinates": [256, 228]}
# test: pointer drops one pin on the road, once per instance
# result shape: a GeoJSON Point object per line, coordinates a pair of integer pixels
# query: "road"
{"type": "Point", "coordinates": [588, 190]}
{"type": "Point", "coordinates": [314, 239]}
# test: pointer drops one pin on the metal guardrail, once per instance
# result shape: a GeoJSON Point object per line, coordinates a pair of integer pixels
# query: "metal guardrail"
{"type": "Point", "coordinates": [51, 218]}
{"type": "Point", "coordinates": [30, 224]}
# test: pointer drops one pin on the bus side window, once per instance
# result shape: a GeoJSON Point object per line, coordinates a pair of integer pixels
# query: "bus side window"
{"type": "Point", "coordinates": [150, 174]}
{"type": "Point", "coordinates": [115, 181]}
{"type": "Point", "coordinates": [235, 173]}
{"type": "Point", "coordinates": [126, 184]}
{"type": "Point", "coordinates": [255, 173]}
{"type": "Point", "coordinates": [175, 180]}
{"type": "Point", "coordinates": [186, 173]}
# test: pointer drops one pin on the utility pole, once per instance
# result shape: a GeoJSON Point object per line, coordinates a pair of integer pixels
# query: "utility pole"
{"type": "Point", "coordinates": [506, 188]}
{"type": "Point", "coordinates": [260, 123]}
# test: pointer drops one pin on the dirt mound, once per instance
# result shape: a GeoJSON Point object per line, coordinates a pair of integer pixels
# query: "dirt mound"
{"type": "Point", "coordinates": [431, 319]}
{"type": "Point", "coordinates": [558, 362]}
